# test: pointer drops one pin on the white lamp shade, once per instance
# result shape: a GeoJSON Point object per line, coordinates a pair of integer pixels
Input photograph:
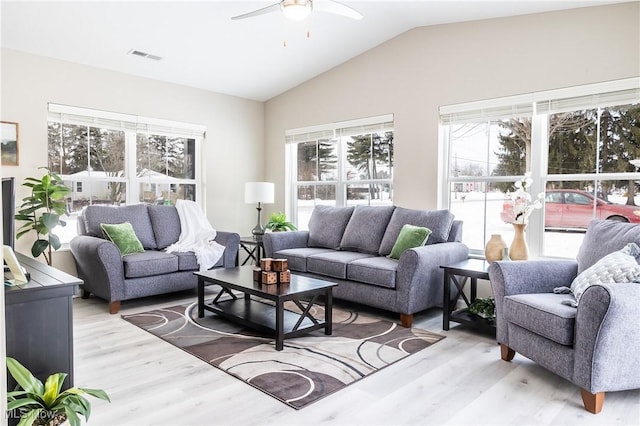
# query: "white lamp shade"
{"type": "Point", "coordinates": [259, 192]}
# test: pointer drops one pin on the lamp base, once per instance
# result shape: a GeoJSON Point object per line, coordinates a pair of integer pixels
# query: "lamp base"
{"type": "Point", "coordinates": [258, 231]}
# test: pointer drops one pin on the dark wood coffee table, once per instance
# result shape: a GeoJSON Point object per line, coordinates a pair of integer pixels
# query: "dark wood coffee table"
{"type": "Point", "coordinates": [272, 320]}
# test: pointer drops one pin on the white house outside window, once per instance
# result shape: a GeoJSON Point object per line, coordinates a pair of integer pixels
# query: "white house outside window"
{"type": "Point", "coordinates": [580, 144]}
{"type": "Point", "coordinates": [112, 158]}
{"type": "Point", "coordinates": [339, 164]}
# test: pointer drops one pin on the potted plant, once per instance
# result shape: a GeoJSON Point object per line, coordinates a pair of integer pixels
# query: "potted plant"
{"type": "Point", "coordinates": [45, 405]}
{"type": "Point", "coordinates": [484, 308]}
{"type": "Point", "coordinates": [42, 211]}
{"type": "Point", "coordinates": [278, 222]}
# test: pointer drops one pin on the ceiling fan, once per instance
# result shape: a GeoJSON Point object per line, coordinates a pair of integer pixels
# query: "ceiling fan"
{"type": "Point", "coordinates": [297, 10]}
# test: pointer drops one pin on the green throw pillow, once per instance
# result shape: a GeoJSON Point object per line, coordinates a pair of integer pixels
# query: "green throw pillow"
{"type": "Point", "coordinates": [410, 236]}
{"type": "Point", "coordinates": [123, 236]}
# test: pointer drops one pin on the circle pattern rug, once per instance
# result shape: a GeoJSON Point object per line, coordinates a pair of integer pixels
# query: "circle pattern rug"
{"type": "Point", "coordinates": [308, 368]}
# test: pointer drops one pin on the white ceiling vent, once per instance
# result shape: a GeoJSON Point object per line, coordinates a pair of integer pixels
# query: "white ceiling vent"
{"type": "Point", "coordinates": [144, 54]}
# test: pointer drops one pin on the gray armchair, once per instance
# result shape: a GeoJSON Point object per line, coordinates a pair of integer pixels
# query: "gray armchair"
{"type": "Point", "coordinates": [595, 346]}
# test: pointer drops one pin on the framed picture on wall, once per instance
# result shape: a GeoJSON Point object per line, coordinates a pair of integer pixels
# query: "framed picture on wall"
{"type": "Point", "coordinates": [9, 143]}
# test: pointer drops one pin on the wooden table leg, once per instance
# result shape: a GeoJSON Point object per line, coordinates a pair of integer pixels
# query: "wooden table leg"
{"type": "Point", "coordinates": [200, 297]}
{"type": "Point", "coordinates": [328, 316]}
{"type": "Point", "coordinates": [446, 302]}
{"type": "Point", "coordinates": [279, 325]}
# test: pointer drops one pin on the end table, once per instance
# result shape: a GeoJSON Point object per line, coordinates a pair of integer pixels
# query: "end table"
{"type": "Point", "coordinates": [468, 270]}
{"type": "Point", "coordinates": [253, 248]}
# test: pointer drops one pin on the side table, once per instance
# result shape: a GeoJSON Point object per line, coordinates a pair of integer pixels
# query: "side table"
{"type": "Point", "coordinates": [468, 270]}
{"type": "Point", "coordinates": [253, 248]}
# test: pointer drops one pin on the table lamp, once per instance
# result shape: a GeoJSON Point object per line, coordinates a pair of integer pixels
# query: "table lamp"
{"type": "Point", "coordinates": [259, 192]}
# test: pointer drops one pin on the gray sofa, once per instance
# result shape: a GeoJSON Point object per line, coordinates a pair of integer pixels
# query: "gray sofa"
{"type": "Point", "coordinates": [113, 277]}
{"type": "Point", "coordinates": [349, 246]}
{"type": "Point", "coordinates": [595, 346]}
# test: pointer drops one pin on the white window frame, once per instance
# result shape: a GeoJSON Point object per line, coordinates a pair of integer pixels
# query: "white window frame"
{"type": "Point", "coordinates": [540, 104]}
{"type": "Point", "coordinates": [329, 131]}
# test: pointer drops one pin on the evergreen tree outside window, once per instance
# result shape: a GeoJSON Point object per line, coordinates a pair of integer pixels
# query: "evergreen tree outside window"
{"type": "Point", "coordinates": [581, 139]}
{"type": "Point", "coordinates": [117, 159]}
{"type": "Point", "coordinates": [339, 164]}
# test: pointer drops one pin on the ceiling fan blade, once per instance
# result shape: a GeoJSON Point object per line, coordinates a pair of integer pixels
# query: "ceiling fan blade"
{"type": "Point", "coordinates": [332, 6]}
{"type": "Point", "coordinates": [268, 9]}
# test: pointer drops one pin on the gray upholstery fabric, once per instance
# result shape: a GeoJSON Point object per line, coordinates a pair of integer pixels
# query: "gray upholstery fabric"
{"type": "Point", "coordinates": [187, 261]}
{"type": "Point", "coordinates": [418, 276]}
{"type": "Point", "coordinates": [366, 228]}
{"type": "Point", "coordinates": [378, 270]}
{"type": "Point", "coordinates": [276, 241]}
{"type": "Point", "coordinates": [604, 237]}
{"type": "Point", "coordinates": [102, 268]}
{"type": "Point", "coordinates": [599, 350]}
{"type": "Point", "coordinates": [438, 221]}
{"type": "Point", "coordinates": [327, 225]}
{"type": "Point", "coordinates": [297, 257]}
{"type": "Point", "coordinates": [534, 276]}
{"type": "Point", "coordinates": [455, 234]}
{"type": "Point", "coordinates": [332, 264]}
{"type": "Point", "coordinates": [165, 222]}
{"type": "Point", "coordinates": [543, 314]}
{"type": "Point", "coordinates": [137, 215]}
{"type": "Point", "coordinates": [149, 263]}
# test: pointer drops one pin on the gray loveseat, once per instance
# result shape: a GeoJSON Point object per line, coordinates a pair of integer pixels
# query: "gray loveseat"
{"type": "Point", "coordinates": [113, 277]}
{"type": "Point", "coordinates": [595, 346]}
{"type": "Point", "coordinates": [349, 246]}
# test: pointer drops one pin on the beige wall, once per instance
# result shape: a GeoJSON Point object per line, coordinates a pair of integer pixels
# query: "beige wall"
{"type": "Point", "coordinates": [418, 71]}
{"type": "Point", "coordinates": [233, 147]}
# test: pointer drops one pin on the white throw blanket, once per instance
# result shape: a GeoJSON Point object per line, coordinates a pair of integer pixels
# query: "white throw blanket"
{"type": "Point", "coordinates": [197, 235]}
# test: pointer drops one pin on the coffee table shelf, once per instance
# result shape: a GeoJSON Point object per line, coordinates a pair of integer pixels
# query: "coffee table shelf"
{"type": "Point", "coordinates": [262, 317]}
{"type": "Point", "coordinates": [271, 319]}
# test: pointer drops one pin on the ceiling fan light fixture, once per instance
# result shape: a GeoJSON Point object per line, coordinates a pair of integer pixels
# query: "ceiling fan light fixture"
{"type": "Point", "coordinates": [296, 10]}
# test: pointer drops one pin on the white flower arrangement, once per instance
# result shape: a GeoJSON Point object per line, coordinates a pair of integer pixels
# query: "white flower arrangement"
{"type": "Point", "coordinates": [523, 204]}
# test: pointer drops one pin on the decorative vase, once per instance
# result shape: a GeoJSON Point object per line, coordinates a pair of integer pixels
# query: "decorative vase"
{"type": "Point", "coordinates": [495, 248]}
{"type": "Point", "coordinates": [519, 249]}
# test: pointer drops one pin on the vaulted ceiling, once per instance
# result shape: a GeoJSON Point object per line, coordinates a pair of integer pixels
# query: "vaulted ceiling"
{"type": "Point", "coordinates": [200, 46]}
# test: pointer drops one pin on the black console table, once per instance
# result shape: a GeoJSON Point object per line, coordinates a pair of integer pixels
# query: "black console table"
{"type": "Point", "coordinates": [39, 320]}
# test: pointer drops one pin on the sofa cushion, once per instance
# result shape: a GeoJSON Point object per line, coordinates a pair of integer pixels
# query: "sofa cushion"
{"type": "Point", "coordinates": [366, 228]}
{"type": "Point", "coordinates": [187, 261]}
{"type": "Point", "coordinates": [136, 214]}
{"type": "Point", "coordinates": [297, 257]}
{"type": "Point", "coordinates": [333, 264]}
{"type": "Point", "coordinates": [410, 236]}
{"type": "Point", "coordinates": [166, 225]}
{"type": "Point", "coordinates": [123, 236]}
{"type": "Point", "coordinates": [327, 225]}
{"type": "Point", "coordinates": [543, 314]}
{"type": "Point", "coordinates": [149, 263]}
{"type": "Point", "coordinates": [618, 267]}
{"type": "Point", "coordinates": [604, 237]}
{"type": "Point", "coordinates": [438, 221]}
{"type": "Point", "coordinates": [378, 270]}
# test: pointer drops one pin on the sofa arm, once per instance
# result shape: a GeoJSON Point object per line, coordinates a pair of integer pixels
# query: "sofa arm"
{"type": "Point", "coordinates": [231, 243]}
{"type": "Point", "coordinates": [99, 265]}
{"type": "Point", "coordinates": [607, 341]}
{"type": "Point", "coordinates": [276, 241]}
{"type": "Point", "coordinates": [420, 279]}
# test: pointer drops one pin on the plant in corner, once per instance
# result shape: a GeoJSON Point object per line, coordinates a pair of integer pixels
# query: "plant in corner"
{"type": "Point", "coordinates": [278, 222]}
{"type": "Point", "coordinates": [45, 405]}
{"type": "Point", "coordinates": [42, 211]}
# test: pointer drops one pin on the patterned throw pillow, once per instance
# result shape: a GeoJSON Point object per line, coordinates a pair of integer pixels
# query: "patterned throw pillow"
{"type": "Point", "coordinates": [618, 267]}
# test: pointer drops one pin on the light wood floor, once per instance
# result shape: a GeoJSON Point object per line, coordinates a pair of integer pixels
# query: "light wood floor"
{"type": "Point", "coordinates": [458, 381]}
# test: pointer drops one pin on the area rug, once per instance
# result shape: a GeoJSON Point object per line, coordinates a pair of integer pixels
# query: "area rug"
{"type": "Point", "coordinates": [308, 368]}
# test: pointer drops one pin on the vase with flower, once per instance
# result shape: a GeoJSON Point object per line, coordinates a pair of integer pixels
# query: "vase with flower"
{"type": "Point", "coordinates": [522, 206]}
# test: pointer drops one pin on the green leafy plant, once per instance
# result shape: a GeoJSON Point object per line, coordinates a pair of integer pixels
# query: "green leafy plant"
{"type": "Point", "coordinates": [278, 222]}
{"type": "Point", "coordinates": [45, 405]}
{"type": "Point", "coordinates": [42, 211]}
{"type": "Point", "coordinates": [484, 308]}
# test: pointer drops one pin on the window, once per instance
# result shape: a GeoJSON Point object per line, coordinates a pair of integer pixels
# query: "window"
{"type": "Point", "coordinates": [111, 158]}
{"type": "Point", "coordinates": [339, 164]}
{"type": "Point", "coordinates": [581, 145]}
